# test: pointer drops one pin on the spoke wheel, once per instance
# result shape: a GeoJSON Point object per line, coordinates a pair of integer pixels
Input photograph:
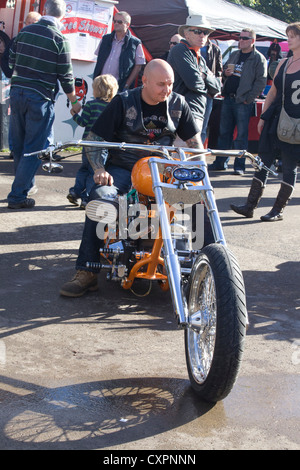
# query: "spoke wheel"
{"type": "Point", "coordinates": [215, 336]}
{"type": "Point", "coordinates": [203, 313]}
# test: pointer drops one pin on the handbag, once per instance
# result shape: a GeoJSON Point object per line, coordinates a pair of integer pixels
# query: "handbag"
{"type": "Point", "coordinates": [288, 128]}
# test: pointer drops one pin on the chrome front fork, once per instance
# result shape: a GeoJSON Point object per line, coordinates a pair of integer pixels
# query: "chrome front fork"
{"type": "Point", "coordinates": [172, 264]}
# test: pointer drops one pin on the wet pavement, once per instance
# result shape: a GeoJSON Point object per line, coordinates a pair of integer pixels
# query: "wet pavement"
{"type": "Point", "coordinates": [107, 371]}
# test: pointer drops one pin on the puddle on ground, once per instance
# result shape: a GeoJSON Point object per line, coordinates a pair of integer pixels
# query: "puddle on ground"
{"type": "Point", "coordinates": [106, 413]}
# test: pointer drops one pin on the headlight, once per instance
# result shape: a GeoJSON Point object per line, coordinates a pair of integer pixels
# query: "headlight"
{"type": "Point", "coordinates": [188, 174]}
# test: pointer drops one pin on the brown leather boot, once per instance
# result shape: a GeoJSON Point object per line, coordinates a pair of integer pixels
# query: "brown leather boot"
{"type": "Point", "coordinates": [276, 213]}
{"type": "Point", "coordinates": [253, 199]}
{"type": "Point", "coordinates": [82, 282]}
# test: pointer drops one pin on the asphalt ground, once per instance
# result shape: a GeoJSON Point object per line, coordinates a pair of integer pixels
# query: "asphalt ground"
{"type": "Point", "coordinates": [107, 371]}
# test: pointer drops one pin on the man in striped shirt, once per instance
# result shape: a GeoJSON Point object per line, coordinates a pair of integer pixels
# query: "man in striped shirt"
{"type": "Point", "coordinates": [40, 56]}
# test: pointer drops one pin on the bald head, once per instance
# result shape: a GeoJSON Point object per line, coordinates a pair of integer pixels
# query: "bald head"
{"type": "Point", "coordinates": [157, 81]}
{"type": "Point", "coordinates": [158, 66]}
{"type": "Point", "coordinates": [175, 39]}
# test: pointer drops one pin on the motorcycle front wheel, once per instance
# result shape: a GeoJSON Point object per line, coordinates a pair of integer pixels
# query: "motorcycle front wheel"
{"type": "Point", "coordinates": [214, 337]}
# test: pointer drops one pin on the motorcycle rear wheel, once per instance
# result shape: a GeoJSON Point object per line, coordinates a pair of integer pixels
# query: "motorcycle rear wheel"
{"type": "Point", "coordinates": [214, 340]}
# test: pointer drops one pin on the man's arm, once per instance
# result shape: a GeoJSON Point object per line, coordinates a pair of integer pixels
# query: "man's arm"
{"type": "Point", "coordinates": [76, 106]}
{"type": "Point", "coordinates": [97, 158]}
{"type": "Point", "coordinates": [185, 65]}
{"type": "Point", "coordinates": [260, 80]}
{"type": "Point", "coordinates": [195, 142]}
{"type": "Point", "coordinates": [139, 62]}
{"type": "Point", "coordinates": [135, 71]}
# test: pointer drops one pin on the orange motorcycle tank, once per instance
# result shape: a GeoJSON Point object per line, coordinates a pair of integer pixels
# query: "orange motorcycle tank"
{"type": "Point", "coordinates": [141, 177]}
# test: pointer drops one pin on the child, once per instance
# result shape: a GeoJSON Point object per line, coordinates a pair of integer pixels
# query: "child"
{"type": "Point", "coordinates": [105, 88]}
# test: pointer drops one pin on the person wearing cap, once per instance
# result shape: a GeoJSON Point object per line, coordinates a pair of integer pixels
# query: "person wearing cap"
{"type": "Point", "coordinates": [245, 80]}
{"type": "Point", "coordinates": [193, 79]}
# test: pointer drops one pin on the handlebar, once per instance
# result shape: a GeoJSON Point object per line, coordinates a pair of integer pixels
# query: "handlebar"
{"type": "Point", "coordinates": [165, 151]}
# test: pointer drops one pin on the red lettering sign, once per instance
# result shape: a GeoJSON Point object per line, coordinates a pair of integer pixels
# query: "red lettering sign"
{"type": "Point", "coordinates": [84, 25]}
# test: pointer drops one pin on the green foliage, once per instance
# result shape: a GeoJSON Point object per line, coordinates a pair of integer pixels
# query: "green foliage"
{"type": "Point", "coordinates": [284, 10]}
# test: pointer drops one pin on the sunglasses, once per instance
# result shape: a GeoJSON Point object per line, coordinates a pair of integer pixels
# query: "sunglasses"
{"type": "Point", "coordinates": [199, 31]}
{"type": "Point", "coordinates": [173, 43]}
{"type": "Point", "coordinates": [118, 21]}
{"type": "Point", "coordinates": [244, 38]}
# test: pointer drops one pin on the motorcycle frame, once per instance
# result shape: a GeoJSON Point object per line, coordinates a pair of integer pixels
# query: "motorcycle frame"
{"type": "Point", "coordinates": [200, 192]}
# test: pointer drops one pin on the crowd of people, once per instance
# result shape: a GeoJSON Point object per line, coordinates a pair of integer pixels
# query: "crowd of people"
{"type": "Point", "coordinates": [173, 104]}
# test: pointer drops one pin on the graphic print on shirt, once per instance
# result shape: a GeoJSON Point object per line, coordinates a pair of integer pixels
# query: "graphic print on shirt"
{"type": "Point", "coordinates": [154, 119]}
{"type": "Point", "coordinates": [296, 94]}
{"type": "Point", "coordinates": [238, 69]}
{"type": "Point", "coordinates": [154, 125]}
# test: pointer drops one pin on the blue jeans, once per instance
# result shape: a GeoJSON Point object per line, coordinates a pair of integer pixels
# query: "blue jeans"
{"type": "Point", "coordinates": [84, 179]}
{"type": "Point", "coordinates": [233, 114]}
{"type": "Point", "coordinates": [32, 118]}
{"type": "Point", "coordinates": [90, 243]}
{"type": "Point", "coordinates": [208, 110]}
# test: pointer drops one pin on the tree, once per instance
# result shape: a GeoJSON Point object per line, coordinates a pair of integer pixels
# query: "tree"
{"type": "Point", "coordinates": [284, 10]}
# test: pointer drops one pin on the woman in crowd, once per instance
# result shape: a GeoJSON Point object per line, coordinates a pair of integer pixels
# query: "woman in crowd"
{"type": "Point", "coordinates": [269, 143]}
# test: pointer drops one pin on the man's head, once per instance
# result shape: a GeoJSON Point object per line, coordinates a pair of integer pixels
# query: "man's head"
{"type": "Point", "coordinates": [157, 81]}
{"type": "Point", "coordinates": [175, 39]}
{"type": "Point", "coordinates": [246, 40]}
{"type": "Point", "coordinates": [196, 31]}
{"type": "Point", "coordinates": [56, 8]}
{"type": "Point", "coordinates": [121, 22]}
{"type": "Point", "coordinates": [32, 17]}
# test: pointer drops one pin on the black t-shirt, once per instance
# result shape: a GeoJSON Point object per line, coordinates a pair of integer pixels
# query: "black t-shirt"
{"type": "Point", "coordinates": [155, 120]}
{"type": "Point", "coordinates": [232, 82]}
{"type": "Point", "coordinates": [291, 91]}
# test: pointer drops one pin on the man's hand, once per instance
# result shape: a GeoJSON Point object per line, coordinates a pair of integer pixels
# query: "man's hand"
{"type": "Point", "coordinates": [260, 126]}
{"type": "Point", "coordinates": [228, 72]}
{"type": "Point", "coordinates": [76, 107]}
{"type": "Point", "coordinates": [103, 178]}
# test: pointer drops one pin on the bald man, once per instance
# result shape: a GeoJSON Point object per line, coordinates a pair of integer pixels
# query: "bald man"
{"type": "Point", "coordinates": [175, 39]}
{"type": "Point", "coordinates": [151, 114]}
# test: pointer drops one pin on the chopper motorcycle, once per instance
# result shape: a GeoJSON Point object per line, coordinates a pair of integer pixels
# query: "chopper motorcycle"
{"type": "Point", "coordinates": [150, 235]}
